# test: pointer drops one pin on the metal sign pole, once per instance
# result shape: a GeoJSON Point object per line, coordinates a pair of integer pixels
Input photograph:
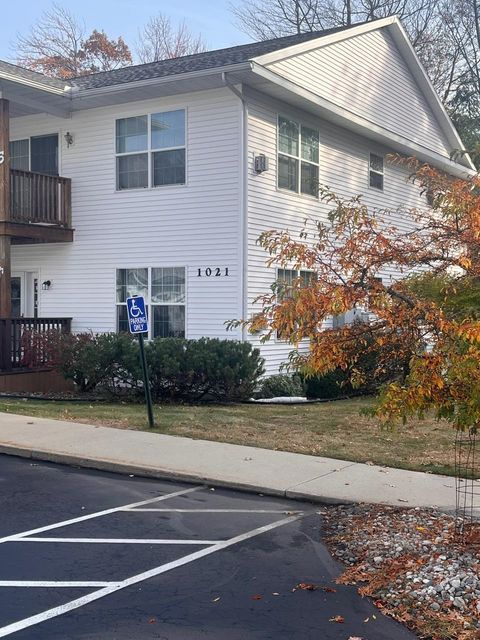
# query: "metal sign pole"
{"type": "Point", "coordinates": [138, 324]}
{"type": "Point", "coordinates": [146, 382]}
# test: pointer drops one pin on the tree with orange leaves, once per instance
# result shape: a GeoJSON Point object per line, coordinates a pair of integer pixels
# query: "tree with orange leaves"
{"type": "Point", "coordinates": [438, 349]}
{"type": "Point", "coordinates": [57, 46]}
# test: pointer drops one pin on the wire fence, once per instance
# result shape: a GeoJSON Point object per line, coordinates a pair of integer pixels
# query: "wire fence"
{"type": "Point", "coordinates": [467, 486]}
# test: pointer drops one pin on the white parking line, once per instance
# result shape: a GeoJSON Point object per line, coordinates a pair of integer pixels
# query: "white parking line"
{"type": "Point", "coordinates": [119, 541]}
{"type": "Point", "coordinates": [153, 510]}
{"type": "Point", "coordinates": [97, 514]}
{"type": "Point", "coordinates": [53, 583]}
{"type": "Point", "coordinates": [141, 577]}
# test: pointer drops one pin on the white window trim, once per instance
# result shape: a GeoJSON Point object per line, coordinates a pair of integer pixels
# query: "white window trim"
{"type": "Point", "coordinates": [149, 151]}
{"type": "Point", "coordinates": [148, 302]}
{"type": "Point", "coordinates": [378, 173]}
{"type": "Point", "coordinates": [299, 158]}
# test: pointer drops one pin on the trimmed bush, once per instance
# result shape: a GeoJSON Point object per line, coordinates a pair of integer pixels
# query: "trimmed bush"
{"type": "Point", "coordinates": [330, 385]}
{"type": "Point", "coordinates": [108, 361]}
{"type": "Point", "coordinates": [281, 386]}
{"type": "Point", "coordinates": [204, 369]}
{"type": "Point", "coordinates": [188, 370]}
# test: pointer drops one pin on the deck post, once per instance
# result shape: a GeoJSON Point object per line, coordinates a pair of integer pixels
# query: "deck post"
{"type": "Point", "coordinates": [5, 241]}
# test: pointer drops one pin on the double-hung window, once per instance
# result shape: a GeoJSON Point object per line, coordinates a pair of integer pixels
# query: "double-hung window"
{"type": "Point", "coordinates": [376, 171]}
{"type": "Point", "coordinates": [298, 157]}
{"type": "Point", "coordinates": [285, 280]}
{"type": "Point", "coordinates": [164, 291]}
{"type": "Point", "coordinates": [151, 150]}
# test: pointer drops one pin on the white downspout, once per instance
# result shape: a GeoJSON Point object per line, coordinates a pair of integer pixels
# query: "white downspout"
{"type": "Point", "coordinates": [243, 201]}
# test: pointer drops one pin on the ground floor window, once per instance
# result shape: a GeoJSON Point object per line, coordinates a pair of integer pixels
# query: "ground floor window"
{"type": "Point", "coordinates": [164, 291]}
{"type": "Point", "coordinates": [285, 281]}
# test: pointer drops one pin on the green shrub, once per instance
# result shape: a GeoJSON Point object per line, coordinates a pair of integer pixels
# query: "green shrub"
{"type": "Point", "coordinates": [331, 385]}
{"type": "Point", "coordinates": [204, 369]}
{"type": "Point", "coordinates": [373, 368]}
{"type": "Point", "coordinates": [189, 370]}
{"type": "Point", "coordinates": [109, 361]}
{"type": "Point", "coordinates": [281, 386]}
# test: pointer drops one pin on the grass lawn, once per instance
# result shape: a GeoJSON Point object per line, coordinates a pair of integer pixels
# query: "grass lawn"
{"type": "Point", "coordinates": [331, 429]}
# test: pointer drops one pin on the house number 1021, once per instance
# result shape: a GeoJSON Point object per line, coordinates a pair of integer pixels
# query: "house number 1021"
{"type": "Point", "coordinates": [212, 272]}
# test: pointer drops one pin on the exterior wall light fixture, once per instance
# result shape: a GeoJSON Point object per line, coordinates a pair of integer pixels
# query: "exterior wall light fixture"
{"type": "Point", "coordinates": [68, 139]}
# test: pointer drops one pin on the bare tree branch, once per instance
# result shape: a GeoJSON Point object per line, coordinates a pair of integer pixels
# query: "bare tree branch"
{"type": "Point", "coordinates": [160, 39]}
{"type": "Point", "coordinates": [57, 46]}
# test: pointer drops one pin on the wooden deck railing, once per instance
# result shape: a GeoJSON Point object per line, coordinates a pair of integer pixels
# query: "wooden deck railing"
{"type": "Point", "coordinates": [40, 198]}
{"type": "Point", "coordinates": [24, 342]}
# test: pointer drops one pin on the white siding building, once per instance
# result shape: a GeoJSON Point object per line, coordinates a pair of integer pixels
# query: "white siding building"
{"type": "Point", "coordinates": [166, 199]}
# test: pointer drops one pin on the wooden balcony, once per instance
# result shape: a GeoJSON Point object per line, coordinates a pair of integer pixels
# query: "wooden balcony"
{"type": "Point", "coordinates": [40, 209]}
{"type": "Point", "coordinates": [24, 342]}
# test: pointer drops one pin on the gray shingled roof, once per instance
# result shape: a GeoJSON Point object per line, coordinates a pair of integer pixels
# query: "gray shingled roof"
{"type": "Point", "coordinates": [196, 62]}
{"type": "Point", "coordinates": [27, 74]}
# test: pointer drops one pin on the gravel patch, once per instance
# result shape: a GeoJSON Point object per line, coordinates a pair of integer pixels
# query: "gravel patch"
{"type": "Point", "coordinates": [409, 561]}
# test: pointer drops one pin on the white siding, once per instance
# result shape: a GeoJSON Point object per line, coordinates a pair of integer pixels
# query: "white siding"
{"type": "Point", "coordinates": [344, 167]}
{"type": "Point", "coordinates": [196, 226]}
{"type": "Point", "coordinates": [367, 76]}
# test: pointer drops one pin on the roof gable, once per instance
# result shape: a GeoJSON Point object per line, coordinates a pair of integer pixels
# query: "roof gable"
{"type": "Point", "coordinates": [372, 71]}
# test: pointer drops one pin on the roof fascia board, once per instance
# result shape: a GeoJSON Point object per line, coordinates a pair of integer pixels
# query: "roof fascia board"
{"type": "Point", "coordinates": [38, 106]}
{"type": "Point", "coordinates": [402, 41]}
{"type": "Point", "coordinates": [363, 126]}
{"type": "Point", "coordinates": [323, 41]}
{"type": "Point", "coordinates": [80, 94]}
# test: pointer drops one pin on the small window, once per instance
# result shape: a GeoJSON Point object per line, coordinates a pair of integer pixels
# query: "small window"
{"type": "Point", "coordinates": [376, 172]}
{"type": "Point", "coordinates": [151, 150]}
{"type": "Point", "coordinates": [298, 157]}
{"type": "Point", "coordinates": [164, 291]}
{"type": "Point", "coordinates": [20, 154]}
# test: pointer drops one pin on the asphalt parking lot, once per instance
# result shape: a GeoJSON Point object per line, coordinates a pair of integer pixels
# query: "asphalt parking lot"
{"type": "Point", "coordinates": [85, 554]}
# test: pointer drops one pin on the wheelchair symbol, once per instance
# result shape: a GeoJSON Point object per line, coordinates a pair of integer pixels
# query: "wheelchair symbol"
{"type": "Point", "coordinates": [134, 310]}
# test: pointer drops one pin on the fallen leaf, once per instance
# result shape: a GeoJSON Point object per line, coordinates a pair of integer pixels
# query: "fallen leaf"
{"type": "Point", "coordinates": [275, 593]}
{"type": "Point", "coordinates": [305, 586]}
{"type": "Point", "coordinates": [402, 500]}
{"type": "Point", "coordinates": [216, 599]}
{"type": "Point", "coordinates": [257, 597]}
{"type": "Point", "coordinates": [338, 619]}
{"type": "Point", "coordinates": [328, 589]}
{"type": "Point", "coordinates": [152, 621]}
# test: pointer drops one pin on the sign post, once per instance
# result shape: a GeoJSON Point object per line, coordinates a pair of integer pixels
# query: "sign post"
{"type": "Point", "coordinates": [138, 325]}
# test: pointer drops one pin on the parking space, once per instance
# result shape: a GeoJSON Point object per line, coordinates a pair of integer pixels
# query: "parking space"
{"type": "Point", "coordinates": [94, 555]}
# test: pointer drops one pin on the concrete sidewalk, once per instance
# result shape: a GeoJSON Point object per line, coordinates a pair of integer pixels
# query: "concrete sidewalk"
{"type": "Point", "coordinates": [272, 472]}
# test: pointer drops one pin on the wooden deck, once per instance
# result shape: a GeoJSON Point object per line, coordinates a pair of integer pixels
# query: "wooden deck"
{"type": "Point", "coordinates": [24, 342]}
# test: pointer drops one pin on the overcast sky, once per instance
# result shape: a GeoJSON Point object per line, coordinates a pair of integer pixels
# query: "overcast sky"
{"type": "Point", "coordinates": [211, 18]}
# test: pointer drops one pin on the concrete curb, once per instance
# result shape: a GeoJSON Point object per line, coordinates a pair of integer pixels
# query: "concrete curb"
{"type": "Point", "coordinates": [250, 469]}
{"type": "Point", "coordinates": [160, 474]}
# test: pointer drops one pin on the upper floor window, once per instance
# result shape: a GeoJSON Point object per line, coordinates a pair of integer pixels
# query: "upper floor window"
{"type": "Point", "coordinates": [38, 154]}
{"type": "Point", "coordinates": [151, 150]}
{"type": "Point", "coordinates": [164, 291]}
{"type": "Point", "coordinates": [298, 157]}
{"type": "Point", "coordinates": [376, 172]}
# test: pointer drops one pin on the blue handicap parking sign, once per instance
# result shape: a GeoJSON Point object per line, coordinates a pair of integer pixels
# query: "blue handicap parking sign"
{"type": "Point", "coordinates": [137, 315]}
